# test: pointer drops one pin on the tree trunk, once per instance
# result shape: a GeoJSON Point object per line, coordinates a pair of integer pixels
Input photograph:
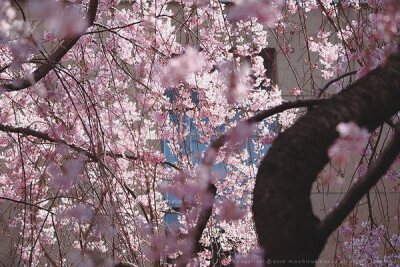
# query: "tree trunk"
{"type": "Point", "coordinates": [285, 223]}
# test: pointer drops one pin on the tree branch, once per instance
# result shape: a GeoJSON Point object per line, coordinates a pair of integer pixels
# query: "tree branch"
{"type": "Point", "coordinates": [87, 153]}
{"type": "Point", "coordinates": [360, 188]}
{"type": "Point", "coordinates": [26, 203]}
{"type": "Point", "coordinates": [46, 137]}
{"type": "Point", "coordinates": [284, 106]}
{"type": "Point", "coordinates": [285, 223]}
{"type": "Point", "coordinates": [54, 58]}
{"type": "Point", "coordinates": [322, 90]}
{"type": "Point", "coordinates": [205, 214]}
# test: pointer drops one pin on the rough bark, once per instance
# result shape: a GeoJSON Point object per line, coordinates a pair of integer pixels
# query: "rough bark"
{"type": "Point", "coordinates": [285, 223]}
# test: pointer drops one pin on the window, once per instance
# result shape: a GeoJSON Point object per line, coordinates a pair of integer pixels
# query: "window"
{"type": "Point", "coordinates": [269, 56]}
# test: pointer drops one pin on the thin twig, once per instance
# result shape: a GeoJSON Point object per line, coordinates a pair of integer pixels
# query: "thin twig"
{"type": "Point", "coordinates": [360, 188]}
{"type": "Point", "coordinates": [322, 90]}
{"type": "Point", "coordinates": [26, 203]}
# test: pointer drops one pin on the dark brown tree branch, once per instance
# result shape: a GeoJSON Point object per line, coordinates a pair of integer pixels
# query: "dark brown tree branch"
{"type": "Point", "coordinates": [285, 223]}
{"type": "Point", "coordinates": [205, 214]}
{"type": "Point", "coordinates": [124, 264]}
{"type": "Point", "coordinates": [54, 58]}
{"type": "Point", "coordinates": [20, 9]}
{"type": "Point", "coordinates": [322, 90]}
{"type": "Point", "coordinates": [360, 188]}
{"type": "Point", "coordinates": [220, 141]}
{"type": "Point", "coordinates": [26, 203]}
{"type": "Point", "coordinates": [284, 106]}
{"type": "Point", "coordinates": [46, 137]}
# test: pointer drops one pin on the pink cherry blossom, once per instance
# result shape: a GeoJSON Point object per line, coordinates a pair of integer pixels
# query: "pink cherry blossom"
{"type": "Point", "coordinates": [79, 212]}
{"type": "Point", "coordinates": [66, 175]}
{"type": "Point", "coordinates": [179, 67]}
{"type": "Point", "coordinates": [263, 10]}
{"type": "Point", "coordinates": [351, 140]}
{"type": "Point", "coordinates": [230, 211]}
{"type": "Point", "coordinates": [295, 91]}
{"type": "Point", "coordinates": [269, 139]}
{"type": "Point", "coordinates": [120, 125]}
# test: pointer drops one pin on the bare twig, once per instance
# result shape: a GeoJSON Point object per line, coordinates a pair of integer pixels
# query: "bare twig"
{"type": "Point", "coordinates": [322, 90]}
{"type": "Point", "coordinates": [26, 203]}
{"type": "Point", "coordinates": [360, 188]}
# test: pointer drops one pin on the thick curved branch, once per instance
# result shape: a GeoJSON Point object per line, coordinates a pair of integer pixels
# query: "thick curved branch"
{"type": "Point", "coordinates": [285, 223]}
{"type": "Point", "coordinates": [360, 188]}
{"type": "Point", "coordinates": [260, 116]}
{"type": "Point", "coordinates": [205, 214]}
{"type": "Point", "coordinates": [54, 58]}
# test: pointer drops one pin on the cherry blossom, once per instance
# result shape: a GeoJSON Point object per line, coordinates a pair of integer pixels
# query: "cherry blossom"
{"type": "Point", "coordinates": [295, 91]}
{"type": "Point", "coordinates": [79, 212]}
{"type": "Point", "coordinates": [178, 68]}
{"type": "Point", "coordinates": [94, 153]}
{"type": "Point", "coordinates": [264, 11]}
{"type": "Point", "coordinates": [229, 211]}
{"type": "Point", "coordinates": [351, 140]}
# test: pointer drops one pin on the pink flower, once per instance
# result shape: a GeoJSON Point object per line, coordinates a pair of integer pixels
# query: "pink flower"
{"type": "Point", "coordinates": [292, 6]}
{"type": "Point", "coordinates": [66, 22]}
{"type": "Point", "coordinates": [153, 157]}
{"type": "Point", "coordinates": [351, 139]}
{"type": "Point", "coordinates": [229, 211]}
{"type": "Point", "coordinates": [240, 133]}
{"type": "Point", "coordinates": [178, 68]}
{"type": "Point", "coordinates": [144, 200]}
{"type": "Point", "coordinates": [269, 139]}
{"type": "Point", "coordinates": [49, 36]}
{"type": "Point", "coordinates": [159, 117]}
{"type": "Point", "coordinates": [73, 23]}
{"type": "Point", "coordinates": [66, 176]}
{"type": "Point", "coordinates": [235, 80]}
{"type": "Point", "coordinates": [331, 176]}
{"type": "Point", "coordinates": [263, 10]}
{"type": "Point", "coordinates": [210, 156]}
{"type": "Point", "coordinates": [295, 91]}
{"type": "Point", "coordinates": [79, 212]}
{"type": "Point", "coordinates": [350, 130]}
